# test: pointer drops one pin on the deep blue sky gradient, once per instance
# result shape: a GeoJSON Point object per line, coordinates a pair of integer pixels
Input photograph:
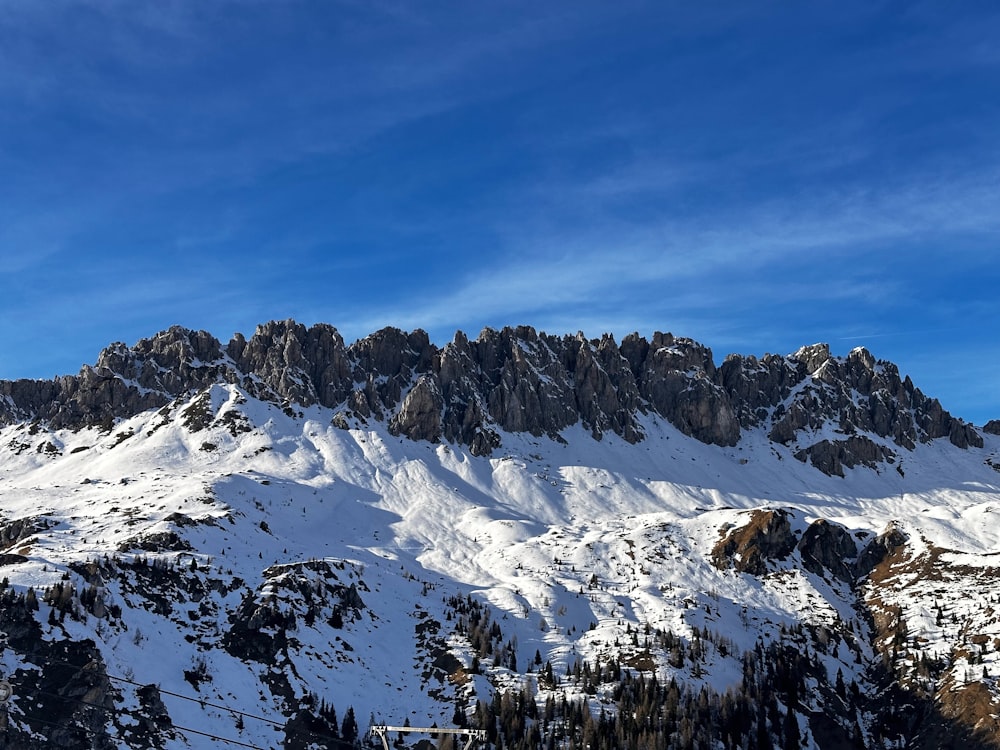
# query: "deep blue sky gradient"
{"type": "Point", "coordinates": [757, 176]}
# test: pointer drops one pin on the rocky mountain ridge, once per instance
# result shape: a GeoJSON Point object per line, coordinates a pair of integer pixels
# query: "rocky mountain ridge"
{"type": "Point", "coordinates": [515, 380]}
{"type": "Point", "coordinates": [303, 562]}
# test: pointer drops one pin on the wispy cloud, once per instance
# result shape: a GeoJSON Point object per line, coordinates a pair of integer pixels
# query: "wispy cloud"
{"type": "Point", "coordinates": [709, 268]}
{"type": "Point", "coordinates": [749, 179]}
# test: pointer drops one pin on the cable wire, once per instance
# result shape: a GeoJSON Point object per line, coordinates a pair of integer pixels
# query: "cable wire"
{"type": "Point", "coordinates": [178, 727]}
{"type": "Point", "coordinates": [202, 703]}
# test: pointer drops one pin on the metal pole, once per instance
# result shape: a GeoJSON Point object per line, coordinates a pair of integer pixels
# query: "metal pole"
{"type": "Point", "coordinates": [473, 734]}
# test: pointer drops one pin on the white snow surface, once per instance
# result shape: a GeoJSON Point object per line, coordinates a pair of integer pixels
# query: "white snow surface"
{"type": "Point", "coordinates": [571, 544]}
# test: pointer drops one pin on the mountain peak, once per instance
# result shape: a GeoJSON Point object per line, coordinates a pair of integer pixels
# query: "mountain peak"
{"type": "Point", "coordinates": [813, 356]}
{"type": "Point", "coordinates": [510, 380]}
{"type": "Point", "coordinates": [522, 532]}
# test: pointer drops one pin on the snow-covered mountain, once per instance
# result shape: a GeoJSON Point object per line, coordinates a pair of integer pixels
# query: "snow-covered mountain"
{"type": "Point", "coordinates": [567, 542]}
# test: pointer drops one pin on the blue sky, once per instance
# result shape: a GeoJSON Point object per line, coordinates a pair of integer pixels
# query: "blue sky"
{"type": "Point", "coordinates": [757, 176]}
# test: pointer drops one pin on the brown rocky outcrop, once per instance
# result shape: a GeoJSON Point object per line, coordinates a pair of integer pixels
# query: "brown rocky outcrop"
{"type": "Point", "coordinates": [883, 549]}
{"type": "Point", "coordinates": [767, 536]}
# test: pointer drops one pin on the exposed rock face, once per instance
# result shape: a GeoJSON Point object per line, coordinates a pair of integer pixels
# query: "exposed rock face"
{"type": "Point", "coordinates": [810, 389]}
{"type": "Point", "coordinates": [824, 547]}
{"type": "Point", "coordinates": [258, 628]}
{"type": "Point", "coordinates": [419, 417]}
{"type": "Point", "coordinates": [768, 536]}
{"type": "Point", "coordinates": [882, 548]}
{"type": "Point", "coordinates": [677, 377]}
{"type": "Point", "coordinates": [831, 456]}
{"type": "Point", "coordinates": [19, 529]}
{"type": "Point", "coordinates": [828, 546]}
{"type": "Point", "coordinates": [61, 696]}
{"type": "Point", "coordinates": [515, 380]}
{"type": "Point", "coordinates": [528, 388]}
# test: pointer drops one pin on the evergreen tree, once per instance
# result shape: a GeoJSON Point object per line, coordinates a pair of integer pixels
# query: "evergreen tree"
{"type": "Point", "coordinates": [349, 728]}
{"type": "Point", "coordinates": [790, 731]}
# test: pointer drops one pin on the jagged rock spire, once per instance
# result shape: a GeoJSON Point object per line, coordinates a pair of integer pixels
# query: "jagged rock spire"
{"type": "Point", "coordinates": [514, 380]}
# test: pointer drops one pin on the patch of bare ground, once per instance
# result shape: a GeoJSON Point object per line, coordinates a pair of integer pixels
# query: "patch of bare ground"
{"type": "Point", "coordinates": [974, 706]}
{"type": "Point", "coordinates": [964, 714]}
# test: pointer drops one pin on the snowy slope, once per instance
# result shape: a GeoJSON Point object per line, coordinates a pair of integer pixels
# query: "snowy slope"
{"type": "Point", "coordinates": [256, 555]}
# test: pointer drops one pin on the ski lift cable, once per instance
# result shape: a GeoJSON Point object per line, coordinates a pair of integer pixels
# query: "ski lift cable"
{"type": "Point", "coordinates": [201, 702]}
{"type": "Point", "coordinates": [178, 727]}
